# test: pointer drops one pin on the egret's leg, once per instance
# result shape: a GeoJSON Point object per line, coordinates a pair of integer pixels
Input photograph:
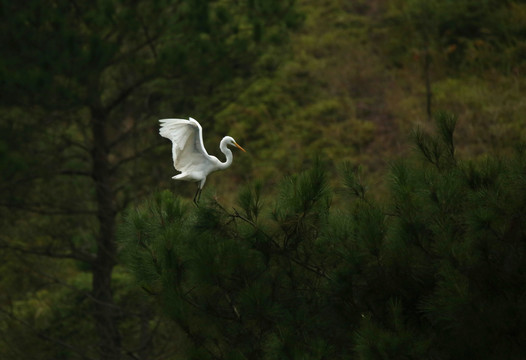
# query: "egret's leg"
{"type": "Point", "coordinates": [197, 196]}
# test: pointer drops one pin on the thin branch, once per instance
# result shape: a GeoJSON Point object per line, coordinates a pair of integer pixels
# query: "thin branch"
{"type": "Point", "coordinates": [148, 38]}
{"type": "Point", "coordinates": [74, 173]}
{"type": "Point", "coordinates": [131, 158]}
{"type": "Point", "coordinates": [121, 138]}
{"type": "Point", "coordinates": [9, 184]}
{"type": "Point", "coordinates": [144, 343]}
{"type": "Point", "coordinates": [39, 210]}
{"type": "Point", "coordinates": [232, 305]}
{"type": "Point", "coordinates": [199, 308]}
{"type": "Point", "coordinates": [236, 214]}
{"type": "Point", "coordinates": [128, 54]}
{"type": "Point", "coordinates": [309, 267]}
{"type": "Point", "coordinates": [196, 339]}
{"type": "Point", "coordinates": [75, 144]}
{"type": "Point", "coordinates": [127, 92]}
{"type": "Point", "coordinates": [43, 173]}
{"type": "Point", "coordinates": [47, 252]}
{"type": "Point", "coordinates": [131, 354]}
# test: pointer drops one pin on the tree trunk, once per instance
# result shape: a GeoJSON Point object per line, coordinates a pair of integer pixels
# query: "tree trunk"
{"type": "Point", "coordinates": [105, 314]}
{"type": "Point", "coordinates": [427, 79]}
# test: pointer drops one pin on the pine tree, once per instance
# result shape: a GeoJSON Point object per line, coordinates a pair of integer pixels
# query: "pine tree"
{"type": "Point", "coordinates": [452, 261]}
{"type": "Point", "coordinates": [242, 284]}
{"type": "Point", "coordinates": [436, 270]}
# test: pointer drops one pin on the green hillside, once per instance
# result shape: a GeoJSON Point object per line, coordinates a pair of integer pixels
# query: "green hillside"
{"type": "Point", "coordinates": [358, 78]}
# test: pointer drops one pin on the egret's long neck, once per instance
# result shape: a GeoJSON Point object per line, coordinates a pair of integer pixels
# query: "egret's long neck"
{"type": "Point", "coordinates": [225, 150]}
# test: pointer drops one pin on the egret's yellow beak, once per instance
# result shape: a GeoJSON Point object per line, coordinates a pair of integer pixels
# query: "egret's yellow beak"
{"type": "Point", "coordinates": [239, 146]}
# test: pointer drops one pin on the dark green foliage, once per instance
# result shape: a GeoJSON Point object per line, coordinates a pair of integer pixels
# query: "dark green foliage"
{"type": "Point", "coordinates": [82, 85]}
{"type": "Point", "coordinates": [353, 82]}
{"type": "Point", "coordinates": [438, 271]}
{"type": "Point", "coordinates": [63, 55]}
{"type": "Point", "coordinates": [455, 256]}
{"type": "Point", "coordinates": [438, 149]}
{"type": "Point", "coordinates": [237, 286]}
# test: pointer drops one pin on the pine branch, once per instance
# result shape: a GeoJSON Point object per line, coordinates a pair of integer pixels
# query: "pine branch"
{"type": "Point", "coordinates": [145, 341]}
{"type": "Point", "coordinates": [310, 267]}
{"type": "Point", "coordinates": [232, 305]}
{"type": "Point", "coordinates": [237, 215]}
{"type": "Point", "coordinates": [196, 339]}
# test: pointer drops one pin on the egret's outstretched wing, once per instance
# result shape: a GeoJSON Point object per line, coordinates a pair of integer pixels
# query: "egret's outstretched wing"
{"type": "Point", "coordinates": [188, 151]}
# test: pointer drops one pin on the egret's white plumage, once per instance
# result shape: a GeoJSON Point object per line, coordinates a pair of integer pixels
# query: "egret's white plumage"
{"type": "Point", "coordinates": [189, 154]}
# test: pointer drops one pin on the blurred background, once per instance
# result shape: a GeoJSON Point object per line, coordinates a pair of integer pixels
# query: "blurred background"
{"type": "Point", "coordinates": [83, 85]}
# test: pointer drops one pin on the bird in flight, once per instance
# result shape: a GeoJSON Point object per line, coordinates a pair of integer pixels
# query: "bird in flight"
{"type": "Point", "coordinates": [189, 154]}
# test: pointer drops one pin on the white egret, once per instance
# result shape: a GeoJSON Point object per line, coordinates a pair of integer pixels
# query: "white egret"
{"type": "Point", "coordinates": [189, 153]}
